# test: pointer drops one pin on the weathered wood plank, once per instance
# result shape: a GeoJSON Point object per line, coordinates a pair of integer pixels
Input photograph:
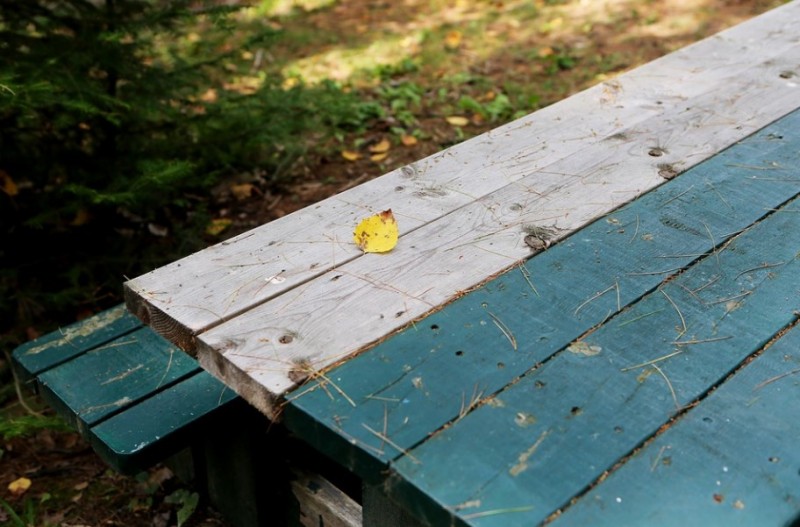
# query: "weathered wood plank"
{"type": "Point", "coordinates": [589, 406]}
{"type": "Point", "coordinates": [428, 375]}
{"type": "Point", "coordinates": [114, 376]}
{"type": "Point", "coordinates": [189, 296]}
{"type": "Point", "coordinates": [322, 503]}
{"type": "Point", "coordinates": [263, 351]}
{"type": "Point", "coordinates": [732, 460]}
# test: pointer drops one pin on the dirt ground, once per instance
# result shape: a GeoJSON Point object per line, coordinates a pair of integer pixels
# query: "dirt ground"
{"type": "Point", "coordinates": [72, 487]}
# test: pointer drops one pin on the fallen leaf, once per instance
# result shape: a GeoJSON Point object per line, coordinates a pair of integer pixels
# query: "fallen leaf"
{"type": "Point", "coordinates": [350, 155]}
{"type": "Point", "coordinates": [378, 233]}
{"type": "Point", "coordinates": [19, 486]}
{"type": "Point", "coordinates": [242, 191]}
{"type": "Point", "coordinates": [452, 40]}
{"type": "Point", "coordinates": [408, 140]}
{"type": "Point", "coordinates": [381, 147]}
{"type": "Point", "coordinates": [457, 120]}
{"type": "Point", "coordinates": [81, 486]}
{"type": "Point", "coordinates": [216, 226]}
{"type": "Point", "coordinates": [82, 217]}
{"type": "Point", "coordinates": [377, 158]}
{"type": "Point", "coordinates": [210, 95]}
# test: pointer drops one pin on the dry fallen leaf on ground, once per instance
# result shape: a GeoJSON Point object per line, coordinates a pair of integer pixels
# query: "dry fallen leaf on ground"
{"type": "Point", "coordinates": [350, 155]}
{"type": "Point", "coordinates": [19, 486]}
{"type": "Point", "coordinates": [380, 148]}
{"type": "Point", "coordinates": [457, 120]}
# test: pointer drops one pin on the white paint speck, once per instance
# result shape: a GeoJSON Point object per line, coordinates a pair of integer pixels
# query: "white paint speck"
{"type": "Point", "coordinates": [619, 500]}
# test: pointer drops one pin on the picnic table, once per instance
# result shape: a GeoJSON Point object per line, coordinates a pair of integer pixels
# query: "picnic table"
{"type": "Point", "coordinates": [590, 316]}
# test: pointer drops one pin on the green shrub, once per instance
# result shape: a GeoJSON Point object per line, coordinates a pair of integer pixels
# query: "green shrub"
{"type": "Point", "coordinates": [116, 118]}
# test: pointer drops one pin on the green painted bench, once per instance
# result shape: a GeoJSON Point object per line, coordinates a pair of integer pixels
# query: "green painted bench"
{"type": "Point", "coordinates": [129, 392]}
{"type": "Point", "coordinates": [138, 401]}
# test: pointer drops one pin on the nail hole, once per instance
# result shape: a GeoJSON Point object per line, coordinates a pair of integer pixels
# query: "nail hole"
{"type": "Point", "coordinates": [434, 327]}
{"type": "Point", "coordinates": [773, 459]}
{"type": "Point", "coordinates": [285, 339]}
{"type": "Point", "coordinates": [576, 410]}
{"type": "Point", "coordinates": [459, 353]}
{"type": "Point", "coordinates": [656, 152]}
{"type": "Point", "coordinates": [501, 365]}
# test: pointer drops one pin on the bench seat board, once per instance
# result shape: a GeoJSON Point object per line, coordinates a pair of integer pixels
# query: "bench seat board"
{"type": "Point", "coordinates": [52, 349]}
{"type": "Point", "coordinates": [471, 203]}
{"type": "Point", "coordinates": [586, 408]}
{"type": "Point", "coordinates": [426, 376]}
{"type": "Point", "coordinates": [132, 439]}
{"type": "Point", "coordinates": [742, 439]}
{"type": "Point", "coordinates": [132, 394]}
{"type": "Point", "coordinates": [114, 376]}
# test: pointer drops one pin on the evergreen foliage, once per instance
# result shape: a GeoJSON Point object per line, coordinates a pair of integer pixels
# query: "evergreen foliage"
{"type": "Point", "coordinates": [110, 120]}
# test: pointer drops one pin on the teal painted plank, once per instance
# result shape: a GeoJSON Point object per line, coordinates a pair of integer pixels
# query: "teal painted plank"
{"type": "Point", "coordinates": [52, 349]}
{"type": "Point", "coordinates": [732, 460]}
{"type": "Point", "coordinates": [423, 378]}
{"type": "Point", "coordinates": [114, 376]}
{"type": "Point", "coordinates": [161, 425]}
{"type": "Point", "coordinates": [554, 433]}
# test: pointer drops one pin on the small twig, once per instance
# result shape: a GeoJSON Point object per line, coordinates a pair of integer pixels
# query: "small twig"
{"type": "Point", "coordinates": [335, 387]}
{"type": "Point", "coordinates": [595, 297]}
{"type": "Point", "coordinates": [678, 196]}
{"type": "Point", "coordinates": [504, 329]}
{"type": "Point", "coordinates": [713, 243]}
{"type": "Point", "coordinates": [683, 321]}
{"type": "Point", "coordinates": [658, 458]}
{"type": "Point", "coordinates": [669, 384]}
{"type": "Point", "coordinates": [527, 276]}
{"type": "Point", "coordinates": [728, 299]}
{"type": "Point", "coordinates": [391, 443]}
{"type": "Point", "coordinates": [651, 362]}
{"type": "Point", "coordinates": [776, 378]}
{"type": "Point", "coordinates": [18, 389]}
{"type": "Point", "coordinates": [648, 273]}
{"type": "Point", "coordinates": [636, 231]}
{"type": "Point", "coordinates": [722, 199]}
{"type": "Point", "coordinates": [640, 317]}
{"type": "Point", "coordinates": [702, 341]}
{"type": "Point", "coordinates": [765, 265]}
{"type": "Point", "coordinates": [494, 512]}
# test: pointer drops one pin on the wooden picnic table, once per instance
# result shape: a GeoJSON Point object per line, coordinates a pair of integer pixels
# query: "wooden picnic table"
{"type": "Point", "coordinates": [590, 316]}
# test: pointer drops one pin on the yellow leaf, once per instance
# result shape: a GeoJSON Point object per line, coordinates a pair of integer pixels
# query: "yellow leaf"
{"type": "Point", "coordinates": [546, 51]}
{"type": "Point", "coordinates": [457, 120]}
{"type": "Point", "coordinates": [377, 234]}
{"type": "Point", "coordinates": [7, 184]}
{"type": "Point", "coordinates": [243, 191]}
{"type": "Point", "coordinates": [380, 148]}
{"type": "Point", "coordinates": [19, 486]}
{"type": "Point", "coordinates": [408, 140]}
{"type": "Point", "coordinates": [350, 155]}
{"type": "Point", "coordinates": [452, 40]}
{"type": "Point", "coordinates": [82, 217]}
{"type": "Point", "coordinates": [216, 226]}
{"type": "Point", "coordinates": [377, 158]}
